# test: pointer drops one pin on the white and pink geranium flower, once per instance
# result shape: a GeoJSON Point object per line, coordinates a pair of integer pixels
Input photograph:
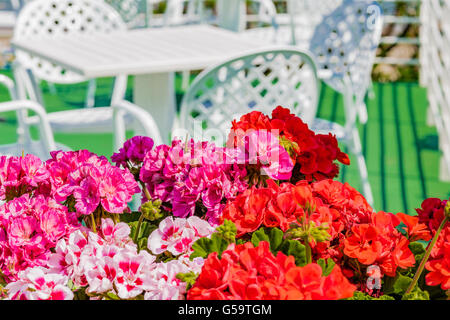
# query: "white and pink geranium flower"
{"type": "Point", "coordinates": [177, 235]}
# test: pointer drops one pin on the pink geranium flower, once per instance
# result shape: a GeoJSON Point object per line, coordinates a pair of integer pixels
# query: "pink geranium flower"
{"type": "Point", "coordinates": [38, 284]}
{"type": "Point", "coordinates": [177, 235]}
{"type": "Point", "coordinates": [263, 148]}
{"type": "Point", "coordinates": [131, 278]}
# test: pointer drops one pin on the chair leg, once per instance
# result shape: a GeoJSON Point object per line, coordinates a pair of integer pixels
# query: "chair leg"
{"type": "Point", "coordinates": [355, 147]}
{"type": "Point", "coordinates": [90, 96]}
{"type": "Point", "coordinates": [362, 113]}
{"type": "Point", "coordinates": [185, 80]}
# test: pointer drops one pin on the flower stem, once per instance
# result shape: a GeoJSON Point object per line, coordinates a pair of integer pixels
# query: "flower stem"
{"type": "Point", "coordinates": [138, 228]}
{"type": "Point", "coordinates": [146, 192]}
{"type": "Point", "coordinates": [308, 252]}
{"type": "Point", "coordinates": [425, 257]}
{"type": "Point", "coordinates": [93, 226]}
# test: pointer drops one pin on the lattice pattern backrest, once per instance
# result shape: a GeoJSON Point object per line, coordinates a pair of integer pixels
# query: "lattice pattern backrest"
{"type": "Point", "coordinates": [346, 42]}
{"type": "Point", "coordinates": [309, 13]}
{"type": "Point", "coordinates": [131, 11]}
{"type": "Point", "coordinates": [50, 18]}
{"type": "Point", "coordinates": [259, 81]}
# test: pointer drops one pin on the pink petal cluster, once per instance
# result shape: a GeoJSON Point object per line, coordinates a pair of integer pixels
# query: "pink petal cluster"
{"type": "Point", "coordinates": [108, 263]}
{"type": "Point", "coordinates": [263, 149]}
{"type": "Point", "coordinates": [197, 177]}
{"type": "Point", "coordinates": [177, 235]}
{"type": "Point", "coordinates": [90, 180]}
{"type": "Point", "coordinates": [20, 175]}
{"type": "Point", "coordinates": [29, 227]}
{"type": "Point", "coordinates": [38, 283]}
{"type": "Point", "coordinates": [133, 151]}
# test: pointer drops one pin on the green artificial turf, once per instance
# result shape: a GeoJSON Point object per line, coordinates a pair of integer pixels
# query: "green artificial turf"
{"type": "Point", "coordinates": [401, 150]}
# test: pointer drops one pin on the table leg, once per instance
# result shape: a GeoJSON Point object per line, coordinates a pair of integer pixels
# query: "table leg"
{"type": "Point", "coordinates": [231, 14]}
{"type": "Point", "coordinates": [156, 94]}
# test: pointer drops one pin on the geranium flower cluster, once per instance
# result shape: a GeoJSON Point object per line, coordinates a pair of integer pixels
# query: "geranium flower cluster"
{"type": "Point", "coordinates": [45, 202]}
{"type": "Point", "coordinates": [258, 219]}
{"type": "Point", "coordinates": [90, 180]}
{"type": "Point", "coordinates": [432, 213]}
{"type": "Point", "coordinates": [194, 178]}
{"type": "Point", "coordinates": [29, 227]}
{"type": "Point", "coordinates": [313, 154]}
{"type": "Point", "coordinates": [248, 273]}
{"type": "Point", "coordinates": [353, 229]}
{"type": "Point", "coordinates": [103, 265]}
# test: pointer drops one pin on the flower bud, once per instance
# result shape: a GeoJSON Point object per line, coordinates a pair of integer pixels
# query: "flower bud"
{"type": "Point", "coordinates": [151, 210]}
{"type": "Point", "coordinates": [227, 231]}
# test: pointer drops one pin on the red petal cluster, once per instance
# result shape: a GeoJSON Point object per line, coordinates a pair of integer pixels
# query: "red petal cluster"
{"type": "Point", "coordinates": [439, 262]}
{"type": "Point", "coordinates": [432, 213]}
{"type": "Point", "coordinates": [313, 154]}
{"type": "Point", "coordinates": [248, 273]}
{"type": "Point", "coordinates": [380, 243]}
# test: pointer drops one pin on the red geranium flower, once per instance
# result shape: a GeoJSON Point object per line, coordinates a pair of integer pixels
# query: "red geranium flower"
{"type": "Point", "coordinates": [247, 210]}
{"type": "Point", "coordinates": [432, 213]}
{"type": "Point", "coordinates": [439, 262]}
{"type": "Point", "coordinates": [255, 273]}
{"type": "Point", "coordinates": [363, 244]}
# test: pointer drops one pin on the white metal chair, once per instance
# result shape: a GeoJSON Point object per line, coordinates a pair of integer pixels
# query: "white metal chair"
{"type": "Point", "coordinates": [345, 44]}
{"type": "Point", "coordinates": [260, 80]}
{"type": "Point", "coordinates": [56, 17]}
{"type": "Point", "coordinates": [41, 147]}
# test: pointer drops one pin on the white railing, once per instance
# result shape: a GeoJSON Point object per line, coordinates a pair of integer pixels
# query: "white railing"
{"type": "Point", "coordinates": [435, 72]}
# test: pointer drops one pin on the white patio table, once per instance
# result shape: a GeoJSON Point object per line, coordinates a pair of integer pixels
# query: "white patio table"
{"type": "Point", "coordinates": [152, 55]}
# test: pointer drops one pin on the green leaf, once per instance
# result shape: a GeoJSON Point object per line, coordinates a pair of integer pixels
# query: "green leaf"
{"type": "Point", "coordinates": [145, 230]}
{"type": "Point", "coordinates": [401, 284]}
{"type": "Point", "coordinates": [204, 246]}
{"type": "Point", "coordinates": [358, 295]}
{"type": "Point", "coordinates": [396, 285]}
{"type": "Point", "coordinates": [189, 278]}
{"type": "Point", "coordinates": [296, 249]}
{"type": "Point", "coordinates": [326, 265]}
{"type": "Point", "coordinates": [417, 294]}
{"type": "Point", "coordinates": [273, 236]}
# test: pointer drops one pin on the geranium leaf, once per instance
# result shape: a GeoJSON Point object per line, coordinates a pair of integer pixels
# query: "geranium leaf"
{"type": "Point", "coordinates": [326, 265]}
{"type": "Point", "coordinates": [296, 249]}
{"type": "Point", "coordinates": [396, 285]}
{"type": "Point", "coordinates": [202, 248]}
{"type": "Point", "coordinates": [258, 236]}
{"type": "Point", "coordinates": [273, 236]}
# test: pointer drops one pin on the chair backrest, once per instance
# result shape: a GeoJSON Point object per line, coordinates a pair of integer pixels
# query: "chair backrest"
{"type": "Point", "coordinates": [133, 12]}
{"type": "Point", "coordinates": [346, 41]}
{"type": "Point", "coordinates": [306, 15]}
{"type": "Point", "coordinates": [260, 80]}
{"type": "Point", "coordinates": [50, 18]}
{"type": "Point", "coordinates": [179, 12]}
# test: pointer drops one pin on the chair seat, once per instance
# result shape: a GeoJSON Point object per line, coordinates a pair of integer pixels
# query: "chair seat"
{"type": "Point", "coordinates": [35, 147]}
{"type": "Point", "coordinates": [322, 126]}
{"type": "Point", "coordinates": [90, 120]}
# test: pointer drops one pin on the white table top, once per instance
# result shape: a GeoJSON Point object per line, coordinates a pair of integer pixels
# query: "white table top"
{"type": "Point", "coordinates": [141, 51]}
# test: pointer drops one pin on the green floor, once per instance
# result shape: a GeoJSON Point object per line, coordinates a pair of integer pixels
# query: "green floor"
{"type": "Point", "coordinates": [401, 150]}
